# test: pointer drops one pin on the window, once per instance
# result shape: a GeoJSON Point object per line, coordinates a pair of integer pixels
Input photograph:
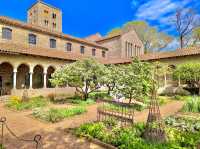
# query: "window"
{"type": "Point", "coordinates": [52, 43]}
{"type": "Point", "coordinates": [103, 53]}
{"type": "Point", "coordinates": [54, 25]}
{"type": "Point", "coordinates": [32, 39]}
{"type": "Point", "coordinates": [82, 50]}
{"type": "Point", "coordinates": [53, 15]}
{"type": "Point", "coordinates": [7, 33]}
{"type": "Point", "coordinates": [93, 52]}
{"type": "Point", "coordinates": [69, 47]}
{"type": "Point", "coordinates": [46, 22]}
{"type": "Point", "coordinates": [46, 11]}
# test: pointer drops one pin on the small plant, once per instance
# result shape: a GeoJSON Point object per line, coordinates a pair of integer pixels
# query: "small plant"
{"type": "Point", "coordinates": [35, 102]}
{"type": "Point", "coordinates": [55, 115]}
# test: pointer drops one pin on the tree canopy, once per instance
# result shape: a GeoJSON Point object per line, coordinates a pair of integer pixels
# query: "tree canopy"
{"type": "Point", "coordinates": [85, 75]}
{"type": "Point", "coordinates": [135, 80]}
{"type": "Point", "coordinates": [152, 39]}
{"type": "Point", "coordinates": [188, 72]}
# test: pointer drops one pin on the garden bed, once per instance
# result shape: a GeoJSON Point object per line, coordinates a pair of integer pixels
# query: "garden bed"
{"type": "Point", "coordinates": [130, 138]}
{"type": "Point", "coordinates": [54, 115]}
{"type": "Point", "coordinates": [15, 103]}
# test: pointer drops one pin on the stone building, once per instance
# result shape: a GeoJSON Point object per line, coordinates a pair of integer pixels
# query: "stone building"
{"type": "Point", "coordinates": [31, 51]}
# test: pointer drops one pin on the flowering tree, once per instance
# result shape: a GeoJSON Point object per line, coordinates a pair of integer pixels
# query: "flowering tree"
{"type": "Point", "coordinates": [85, 75]}
{"type": "Point", "coordinates": [135, 80]}
{"type": "Point", "coordinates": [111, 77]}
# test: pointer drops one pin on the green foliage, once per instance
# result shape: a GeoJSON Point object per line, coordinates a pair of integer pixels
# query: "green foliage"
{"type": "Point", "coordinates": [115, 31]}
{"type": "Point", "coordinates": [85, 75]}
{"type": "Point", "coordinates": [99, 95]}
{"type": "Point", "coordinates": [111, 77]}
{"type": "Point", "coordinates": [2, 147]}
{"type": "Point", "coordinates": [130, 138]}
{"type": "Point", "coordinates": [190, 73]}
{"type": "Point", "coordinates": [151, 38]}
{"type": "Point", "coordinates": [173, 91]}
{"type": "Point", "coordinates": [192, 105]}
{"type": "Point", "coordinates": [55, 115]}
{"type": "Point", "coordinates": [81, 102]}
{"type": "Point", "coordinates": [188, 124]}
{"type": "Point", "coordinates": [34, 102]}
{"type": "Point", "coordinates": [135, 80]}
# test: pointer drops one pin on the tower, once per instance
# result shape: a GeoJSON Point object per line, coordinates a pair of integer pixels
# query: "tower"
{"type": "Point", "coordinates": [45, 15]}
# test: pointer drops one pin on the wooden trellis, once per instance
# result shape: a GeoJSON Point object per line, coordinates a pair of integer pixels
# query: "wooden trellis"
{"type": "Point", "coordinates": [122, 112]}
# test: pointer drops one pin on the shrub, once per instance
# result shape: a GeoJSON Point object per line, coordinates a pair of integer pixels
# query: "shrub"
{"type": "Point", "coordinates": [171, 91]}
{"type": "Point", "coordinates": [2, 147]}
{"type": "Point", "coordinates": [99, 95]}
{"type": "Point", "coordinates": [130, 138]}
{"type": "Point", "coordinates": [55, 115]}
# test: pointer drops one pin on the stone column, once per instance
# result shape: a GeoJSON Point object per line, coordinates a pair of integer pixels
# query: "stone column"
{"type": "Point", "coordinates": [31, 79]}
{"type": "Point", "coordinates": [14, 78]}
{"type": "Point", "coordinates": [45, 78]}
{"type": "Point", "coordinates": [165, 77]}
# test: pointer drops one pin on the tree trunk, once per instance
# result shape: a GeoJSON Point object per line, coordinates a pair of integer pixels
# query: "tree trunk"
{"type": "Point", "coordinates": [130, 101]}
{"type": "Point", "coordinates": [181, 42]}
{"type": "Point", "coordinates": [85, 96]}
{"type": "Point", "coordinates": [199, 87]}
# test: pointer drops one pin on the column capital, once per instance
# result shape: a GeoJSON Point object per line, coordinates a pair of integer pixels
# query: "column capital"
{"type": "Point", "coordinates": [15, 70]}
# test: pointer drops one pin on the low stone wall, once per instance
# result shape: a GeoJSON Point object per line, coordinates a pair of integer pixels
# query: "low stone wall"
{"type": "Point", "coordinates": [44, 91]}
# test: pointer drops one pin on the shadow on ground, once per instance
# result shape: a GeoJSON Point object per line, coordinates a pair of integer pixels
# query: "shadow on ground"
{"type": "Point", "coordinates": [57, 139]}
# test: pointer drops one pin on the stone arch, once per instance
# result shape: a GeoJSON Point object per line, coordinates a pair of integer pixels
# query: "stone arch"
{"type": "Point", "coordinates": [50, 71]}
{"type": "Point", "coordinates": [23, 77]}
{"type": "Point", "coordinates": [38, 76]}
{"type": "Point", "coordinates": [6, 78]}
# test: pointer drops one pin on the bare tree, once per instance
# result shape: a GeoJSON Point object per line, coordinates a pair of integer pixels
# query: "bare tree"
{"type": "Point", "coordinates": [186, 22]}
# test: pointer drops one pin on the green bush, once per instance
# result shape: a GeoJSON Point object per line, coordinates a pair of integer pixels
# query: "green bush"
{"type": "Point", "coordinates": [2, 147]}
{"type": "Point", "coordinates": [172, 91]}
{"type": "Point", "coordinates": [34, 102]}
{"type": "Point", "coordinates": [99, 95]}
{"type": "Point", "coordinates": [55, 115]}
{"type": "Point", "coordinates": [192, 105]}
{"type": "Point", "coordinates": [130, 138]}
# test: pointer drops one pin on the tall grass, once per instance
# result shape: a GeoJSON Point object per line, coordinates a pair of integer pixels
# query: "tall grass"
{"type": "Point", "coordinates": [192, 105]}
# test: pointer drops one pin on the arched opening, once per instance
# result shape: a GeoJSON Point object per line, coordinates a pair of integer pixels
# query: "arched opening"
{"type": "Point", "coordinates": [50, 71]}
{"type": "Point", "coordinates": [6, 78]}
{"type": "Point", "coordinates": [38, 77]}
{"type": "Point", "coordinates": [23, 78]}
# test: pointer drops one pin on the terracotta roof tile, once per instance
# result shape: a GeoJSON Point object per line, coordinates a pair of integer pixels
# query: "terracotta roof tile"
{"type": "Point", "coordinates": [12, 48]}
{"type": "Point", "coordinates": [178, 53]}
{"type": "Point", "coordinates": [94, 37]}
{"type": "Point", "coordinates": [24, 25]}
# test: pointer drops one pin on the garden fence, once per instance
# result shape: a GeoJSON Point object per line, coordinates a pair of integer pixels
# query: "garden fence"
{"type": "Point", "coordinates": [37, 140]}
{"type": "Point", "coordinates": [122, 112]}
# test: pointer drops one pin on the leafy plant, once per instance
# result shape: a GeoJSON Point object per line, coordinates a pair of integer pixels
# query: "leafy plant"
{"type": "Point", "coordinates": [55, 115]}
{"type": "Point", "coordinates": [192, 105]}
{"type": "Point", "coordinates": [35, 102]}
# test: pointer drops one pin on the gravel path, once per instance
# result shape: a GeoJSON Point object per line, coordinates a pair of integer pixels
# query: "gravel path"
{"type": "Point", "coordinates": [54, 136]}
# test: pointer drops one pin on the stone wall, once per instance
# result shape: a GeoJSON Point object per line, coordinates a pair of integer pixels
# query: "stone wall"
{"type": "Point", "coordinates": [45, 92]}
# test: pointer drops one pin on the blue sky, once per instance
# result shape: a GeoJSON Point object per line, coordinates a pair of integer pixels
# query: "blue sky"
{"type": "Point", "coordinates": [84, 17]}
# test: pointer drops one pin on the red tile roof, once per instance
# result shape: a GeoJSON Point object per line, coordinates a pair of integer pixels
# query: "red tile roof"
{"type": "Point", "coordinates": [12, 48]}
{"type": "Point", "coordinates": [178, 53]}
{"type": "Point", "coordinates": [35, 28]}
{"type": "Point", "coordinates": [94, 37]}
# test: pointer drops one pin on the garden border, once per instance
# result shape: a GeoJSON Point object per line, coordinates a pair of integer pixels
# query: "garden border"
{"type": "Point", "coordinates": [92, 140]}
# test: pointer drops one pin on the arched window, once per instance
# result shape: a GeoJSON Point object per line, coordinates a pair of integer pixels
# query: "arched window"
{"type": "Point", "coordinates": [68, 47]}
{"type": "Point", "coordinates": [32, 39]}
{"type": "Point", "coordinates": [52, 43]}
{"type": "Point", "coordinates": [93, 52]}
{"type": "Point", "coordinates": [82, 50]}
{"type": "Point", "coordinates": [7, 33]}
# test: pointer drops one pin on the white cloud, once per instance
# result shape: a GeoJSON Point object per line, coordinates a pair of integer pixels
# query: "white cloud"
{"type": "Point", "coordinates": [154, 9]}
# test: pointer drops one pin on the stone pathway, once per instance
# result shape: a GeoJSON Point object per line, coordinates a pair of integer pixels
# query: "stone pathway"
{"type": "Point", "coordinates": [54, 136]}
